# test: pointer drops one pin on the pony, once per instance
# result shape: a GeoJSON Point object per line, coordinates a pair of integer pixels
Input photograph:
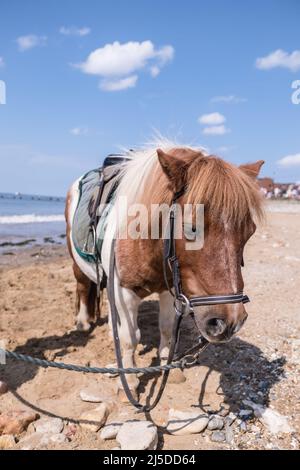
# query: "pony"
{"type": "Point", "coordinates": [232, 207]}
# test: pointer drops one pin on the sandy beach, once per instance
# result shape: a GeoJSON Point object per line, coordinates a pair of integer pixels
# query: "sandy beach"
{"type": "Point", "coordinates": [37, 296]}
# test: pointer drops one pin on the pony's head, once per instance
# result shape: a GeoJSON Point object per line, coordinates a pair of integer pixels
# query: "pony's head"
{"type": "Point", "coordinates": [232, 203]}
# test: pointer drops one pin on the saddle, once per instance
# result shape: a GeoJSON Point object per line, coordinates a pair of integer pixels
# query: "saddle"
{"type": "Point", "coordinates": [96, 193]}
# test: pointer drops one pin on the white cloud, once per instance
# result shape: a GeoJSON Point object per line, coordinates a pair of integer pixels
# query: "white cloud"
{"type": "Point", "coordinates": [155, 71]}
{"type": "Point", "coordinates": [118, 63]}
{"type": "Point", "coordinates": [2, 63]}
{"type": "Point", "coordinates": [31, 40]}
{"type": "Point", "coordinates": [290, 160]}
{"type": "Point", "coordinates": [216, 130]}
{"type": "Point", "coordinates": [74, 31]}
{"type": "Point", "coordinates": [118, 84]}
{"type": "Point", "coordinates": [228, 99]}
{"type": "Point", "coordinates": [79, 131]}
{"type": "Point", "coordinates": [212, 119]}
{"type": "Point", "coordinates": [280, 58]}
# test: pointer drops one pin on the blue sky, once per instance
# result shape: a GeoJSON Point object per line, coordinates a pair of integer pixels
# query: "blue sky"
{"type": "Point", "coordinates": [84, 77]}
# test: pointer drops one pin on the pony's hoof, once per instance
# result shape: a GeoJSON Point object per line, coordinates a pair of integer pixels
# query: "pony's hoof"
{"type": "Point", "coordinates": [122, 397]}
{"type": "Point", "coordinates": [80, 326]}
{"type": "Point", "coordinates": [176, 376]}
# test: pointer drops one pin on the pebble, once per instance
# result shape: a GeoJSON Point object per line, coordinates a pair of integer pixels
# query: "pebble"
{"type": "Point", "coordinates": [176, 376]}
{"type": "Point", "coordinates": [243, 426]}
{"type": "Point", "coordinates": [3, 387]}
{"type": "Point", "coordinates": [229, 435]}
{"type": "Point", "coordinates": [49, 426]}
{"type": "Point", "coordinates": [244, 414]}
{"type": "Point", "coordinates": [92, 397]}
{"type": "Point", "coordinates": [15, 422]}
{"type": "Point", "coordinates": [70, 430]}
{"type": "Point", "coordinates": [97, 418]}
{"type": "Point", "coordinates": [181, 423]}
{"type": "Point", "coordinates": [110, 431]}
{"type": "Point", "coordinates": [230, 418]}
{"type": "Point", "coordinates": [53, 438]}
{"type": "Point", "coordinates": [215, 422]}
{"type": "Point", "coordinates": [224, 410]}
{"type": "Point", "coordinates": [7, 441]}
{"type": "Point", "coordinates": [137, 435]}
{"type": "Point", "coordinates": [218, 436]}
{"type": "Point", "coordinates": [31, 442]}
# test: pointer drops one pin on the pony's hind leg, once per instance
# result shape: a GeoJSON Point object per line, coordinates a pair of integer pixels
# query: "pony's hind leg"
{"type": "Point", "coordinates": [86, 293]}
{"type": "Point", "coordinates": [166, 319]}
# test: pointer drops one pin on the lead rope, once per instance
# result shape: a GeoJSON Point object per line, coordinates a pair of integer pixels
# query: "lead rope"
{"type": "Point", "coordinates": [115, 320]}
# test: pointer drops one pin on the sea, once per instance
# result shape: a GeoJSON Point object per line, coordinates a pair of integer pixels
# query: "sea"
{"type": "Point", "coordinates": [28, 220]}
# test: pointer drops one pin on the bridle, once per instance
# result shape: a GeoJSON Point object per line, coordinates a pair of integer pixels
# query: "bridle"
{"type": "Point", "coordinates": [183, 306]}
{"type": "Point", "coordinates": [170, 260]}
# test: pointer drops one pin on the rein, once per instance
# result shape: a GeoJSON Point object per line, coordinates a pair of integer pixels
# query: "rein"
{"type": "Point", "coordinates": [183, 306]}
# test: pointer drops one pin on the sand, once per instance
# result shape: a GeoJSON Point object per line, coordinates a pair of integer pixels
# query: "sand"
{"type": "Point", "coordinates": [37, 295]}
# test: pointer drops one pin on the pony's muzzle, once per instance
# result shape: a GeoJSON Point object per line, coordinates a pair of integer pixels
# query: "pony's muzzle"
{"type": "Point", "coordinates": [221, 326]}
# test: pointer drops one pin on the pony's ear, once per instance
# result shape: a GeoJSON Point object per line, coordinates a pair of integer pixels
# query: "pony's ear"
{"type": "Point", "coordinates": [252, 169]}
{"type": "Point", "coordinates": [173, 167]}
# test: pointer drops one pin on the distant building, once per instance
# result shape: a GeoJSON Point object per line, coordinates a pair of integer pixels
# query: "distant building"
{"type": "Point", "coordinates": [266, 183]}
{"type": "Point", "coordinates": [271, 189]}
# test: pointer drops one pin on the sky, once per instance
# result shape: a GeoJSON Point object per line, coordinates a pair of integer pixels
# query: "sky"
{"type": "Point", "coordinates": [84, 78]}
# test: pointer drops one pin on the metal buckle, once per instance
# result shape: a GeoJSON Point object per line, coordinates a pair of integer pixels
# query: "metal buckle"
{"type": "Point", "coordinates": [92, 231]}
{"type": "Point", "coordinates": [190, 360]}
{"type": "Point", "coordinates": [182, 305]}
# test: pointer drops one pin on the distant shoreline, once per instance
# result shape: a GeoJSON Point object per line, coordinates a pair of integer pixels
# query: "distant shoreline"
{"type": "Point", "coordinates": [31, 197]}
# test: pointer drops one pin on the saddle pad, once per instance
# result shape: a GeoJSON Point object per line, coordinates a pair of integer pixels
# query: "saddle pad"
{"type": "Point", "coordinates": [107, 179]}
{"type": "Point", "coordinates": [81, 236]}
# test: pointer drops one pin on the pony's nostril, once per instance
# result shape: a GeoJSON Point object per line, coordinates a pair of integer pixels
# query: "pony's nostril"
{"type": "Point", "coordinates": [215, 326]}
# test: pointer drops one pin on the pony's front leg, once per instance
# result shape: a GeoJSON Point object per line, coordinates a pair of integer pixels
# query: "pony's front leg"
{"type": "Point", "coordinates": [127, 303]}
{"type": "Point", "coordinates": [166, 319]}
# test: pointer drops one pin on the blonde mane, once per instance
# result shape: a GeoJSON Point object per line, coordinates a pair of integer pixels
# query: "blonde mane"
{"type": "Point", "coordinates": [224, 189]}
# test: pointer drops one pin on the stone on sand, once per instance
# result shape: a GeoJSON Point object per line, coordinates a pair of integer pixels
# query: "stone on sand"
{"type": "Point", "coordinates": [94, 419]}
{"type": "Point", "coordinates": [16, 421]}
{"type": "Point", "coordinates": [137, 435]}
{"type": "Point", "coordinates": [94, 396]}
{"type": "Point", "coordinates": [215, 422]}
{"type": "Point", "coordinates": [49, 426]}
{"type": "Point", "coordinates": [31, 442]}
{"type": "Point", "coordinates": [7, 441]}
{"type": "Point", "coordinates": [218, 436]}
{"type": "Point", "coordinates": [176, 376]}
{"type": "Point", "coordinates": [181, 423]}
{"type": "Point", "coordinates": [53, 438]}
{"type": "Point", "coordinates": [110, 431]}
